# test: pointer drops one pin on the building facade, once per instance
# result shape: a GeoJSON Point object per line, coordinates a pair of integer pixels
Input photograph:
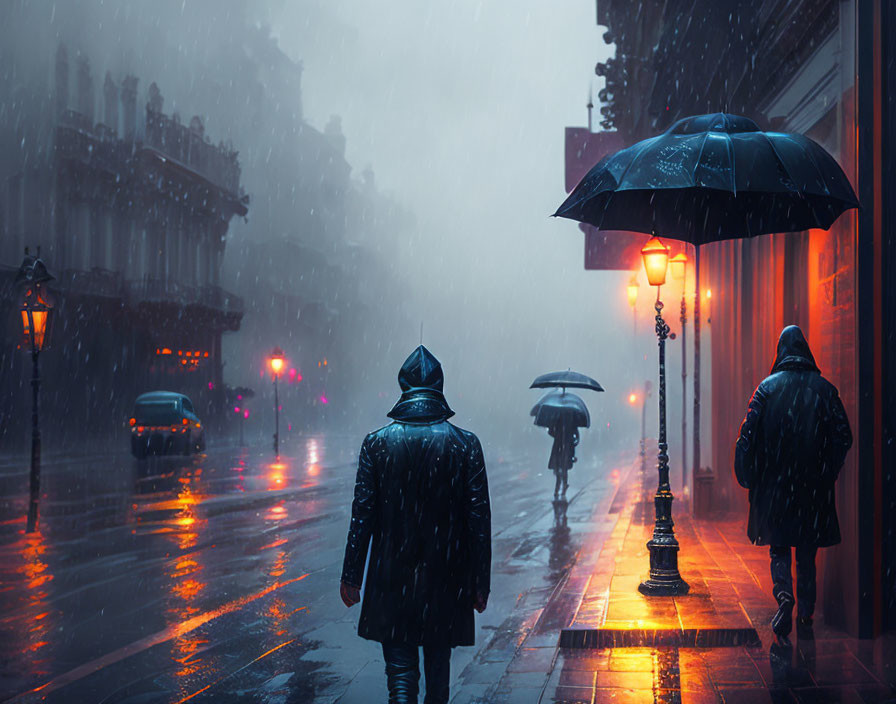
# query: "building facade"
{"type": "Point", "coordinates": [131, 211]}
{"type": "Point", "coordinates": [824, 69]}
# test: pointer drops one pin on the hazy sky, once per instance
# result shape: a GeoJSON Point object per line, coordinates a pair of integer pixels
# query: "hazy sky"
{"type": "Point", "coordinates": [460, 109]}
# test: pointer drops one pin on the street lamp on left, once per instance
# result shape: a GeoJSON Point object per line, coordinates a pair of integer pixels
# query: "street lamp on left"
{"type": "Point", "coordinates": [36, 306]}
{"type": "Point", "coordinates": [277, 362]}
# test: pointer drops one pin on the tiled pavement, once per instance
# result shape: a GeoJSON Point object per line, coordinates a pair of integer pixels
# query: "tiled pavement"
{"type": "Point", "coordinates": [730, 587]}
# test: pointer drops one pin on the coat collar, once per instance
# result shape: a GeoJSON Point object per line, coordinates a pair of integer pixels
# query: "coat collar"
{"type": "Point", "coordinates": [421, 406]}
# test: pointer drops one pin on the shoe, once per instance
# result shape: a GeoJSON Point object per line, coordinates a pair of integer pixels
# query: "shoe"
{"type": "Point", "coordinates": [782, 621]}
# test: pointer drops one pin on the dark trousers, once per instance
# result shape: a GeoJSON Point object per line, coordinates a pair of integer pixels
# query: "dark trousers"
{"type": "Point", "coordinates": [805, 576]}
{"type": "Point", "coordinates": [403, 672]}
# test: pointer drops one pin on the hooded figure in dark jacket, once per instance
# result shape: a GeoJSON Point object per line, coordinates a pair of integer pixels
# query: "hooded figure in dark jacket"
{"type": "Point", "coordinates": [421, 503]}
{"type": "Point", "coordinates": [791, 447]}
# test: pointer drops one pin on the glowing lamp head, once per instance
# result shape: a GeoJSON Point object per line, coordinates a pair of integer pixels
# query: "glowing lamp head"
{"type": "Point", "coordinates": [633, 398]}
{"type": "Point", "coordinates": [679, 264]}
{"type": "Point", "coordinates": [655, 255]}
{"type": "Point", "coordinates": [277, 361]}
{"type": "Point", "coordinates": [709, 293]}
{"type": "Point", "coordinates": [632, 289]}
{"type": "Point", "coordinates": [36, 303]}
{"type": "Point", "coordinates": [37, 311]}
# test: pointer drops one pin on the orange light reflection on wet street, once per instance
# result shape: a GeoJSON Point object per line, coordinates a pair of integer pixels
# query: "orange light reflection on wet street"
{"type": "Point", "coordinates": [277, 476]}
{"type": "Point", "coordinates": [186, 585]}
{"type": "Point", "coordinates": [276, 513]}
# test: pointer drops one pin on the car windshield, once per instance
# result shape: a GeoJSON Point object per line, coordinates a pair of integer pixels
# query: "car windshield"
{"type": "Point", "coordinates": [157, 412]}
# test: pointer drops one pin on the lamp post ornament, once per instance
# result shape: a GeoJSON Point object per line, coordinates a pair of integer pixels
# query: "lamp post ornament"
{"type": "Point", "coordinates": [664, 579]}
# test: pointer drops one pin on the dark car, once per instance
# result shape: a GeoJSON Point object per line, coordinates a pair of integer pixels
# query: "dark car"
{"type": "Point", "coordinates": [165, 423]}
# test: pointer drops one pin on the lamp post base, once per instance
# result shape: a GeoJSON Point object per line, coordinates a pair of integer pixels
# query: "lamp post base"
{"type": "Point", "coordinates": [664, 578]}
{"type": "Point", "coordinates": [653, 587]}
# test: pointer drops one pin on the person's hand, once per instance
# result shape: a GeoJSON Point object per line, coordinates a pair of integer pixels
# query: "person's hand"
{"type": "Point", "coordinates": [480, 601]}
{"type": "Point", "coordinates": [350, 595]}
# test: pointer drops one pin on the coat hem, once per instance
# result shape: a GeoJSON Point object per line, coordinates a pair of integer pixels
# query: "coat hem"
{"type": "Point", "coordinates": [420, 643]}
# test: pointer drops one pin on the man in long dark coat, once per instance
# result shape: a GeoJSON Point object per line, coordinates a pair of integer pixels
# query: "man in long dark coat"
{"type": "Point", "coordinates": [421, 503]}
{"type": "Point", "coordinates": [791, 447]}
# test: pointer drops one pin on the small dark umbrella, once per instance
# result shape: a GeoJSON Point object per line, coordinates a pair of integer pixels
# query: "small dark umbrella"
{"type": "Point", "coordinates": [566, 380]}
{"type": "Point", "coordinates": [561, 406]}
{"type": "Point", "coordinates": [710, 178]}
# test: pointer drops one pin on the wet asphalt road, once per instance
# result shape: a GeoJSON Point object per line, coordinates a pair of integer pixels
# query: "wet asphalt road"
{"type": "Point", "coordinates": [216, 578]}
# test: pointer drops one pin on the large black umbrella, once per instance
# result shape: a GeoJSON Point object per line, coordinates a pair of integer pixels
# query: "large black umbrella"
{"type": "Point", "coordinates": [561, 406]}
{"type": "Point", "coordinates": [566, 380]}
{"type": "Point", "coordinates": [710, 178]}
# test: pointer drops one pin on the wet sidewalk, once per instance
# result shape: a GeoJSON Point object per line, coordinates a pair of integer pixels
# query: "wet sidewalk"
{"type": "Point", "coordinates": [612, 644]}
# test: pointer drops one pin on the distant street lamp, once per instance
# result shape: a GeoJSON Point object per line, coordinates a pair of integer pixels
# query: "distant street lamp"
{"type": "Point", "coordinates": [679, 264]}
{"type": "Point", "coordinates": [243, 414]}
{"type": "Point", "coordinates": [633, 399]}
{"type": "Point", "coordinates": [276, 361]}
{"type": "Point", "coordinates": [36, 306]}
{"type": "Point", "coordinates": [664, 578]}
{"type": "Point", "coordinates": [632, 288]}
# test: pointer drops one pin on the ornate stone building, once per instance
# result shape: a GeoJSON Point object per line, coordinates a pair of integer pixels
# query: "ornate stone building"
{"type": "Point", "coordinates": [131, 209]}
{"type": "Point", "coordinates": [822, 68]}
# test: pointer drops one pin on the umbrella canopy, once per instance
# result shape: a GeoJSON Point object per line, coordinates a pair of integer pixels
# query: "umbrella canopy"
{"type": "Point", "coordinates": [566, 380]}
{"type": "Point", "coordinates": [710, 178]}
{"type": "Point", "coordinates": [561, 406]}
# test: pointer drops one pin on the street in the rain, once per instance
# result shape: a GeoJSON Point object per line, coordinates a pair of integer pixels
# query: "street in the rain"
{"type": "Point", "coordinates": [215, 577]}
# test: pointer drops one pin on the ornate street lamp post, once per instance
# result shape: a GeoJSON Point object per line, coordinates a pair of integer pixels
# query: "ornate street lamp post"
{"type": "Point", "coordinates": [679, 265]}
{"type": "Point", "coordinates": [647, 387]}
{"type": "Point", "coordinates": [664, 578]}
{"type": "Point", "coordinates": [633, 399]}
{"type": "Point", "coordinates": [276, 362]}
{"type": "Point", "coordinates": [36, 306]}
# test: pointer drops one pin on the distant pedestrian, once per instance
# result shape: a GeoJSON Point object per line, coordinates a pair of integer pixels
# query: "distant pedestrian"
{"type": "Point", "coordinates": [421, 503]}
{"type": "Point", "coordinates": [563, 453]}
{"type": "Point", "coordinates": [791, 447]}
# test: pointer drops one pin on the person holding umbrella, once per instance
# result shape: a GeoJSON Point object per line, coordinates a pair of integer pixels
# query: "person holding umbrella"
{"type": "Point", "coordinates": [563, 413]}
{"type": "Point", "coordinates": [563, 453]}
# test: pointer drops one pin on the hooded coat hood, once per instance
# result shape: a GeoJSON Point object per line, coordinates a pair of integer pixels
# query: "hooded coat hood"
{"type": "Point", "coordinates": [793, 352]}
{"type": "Point", "coordinates": [421, 381]}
